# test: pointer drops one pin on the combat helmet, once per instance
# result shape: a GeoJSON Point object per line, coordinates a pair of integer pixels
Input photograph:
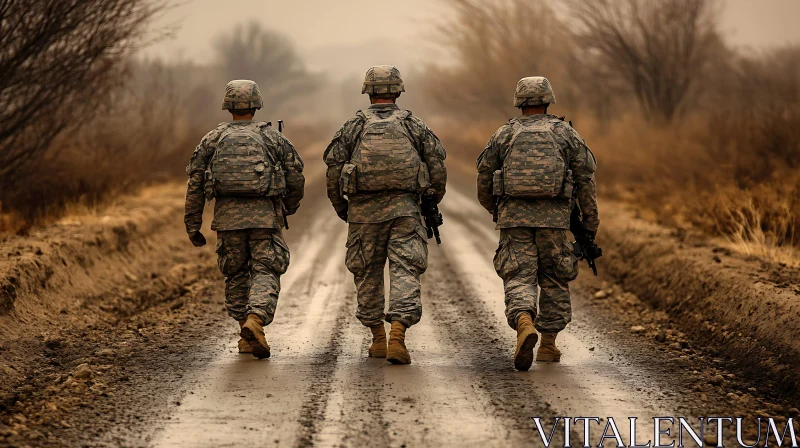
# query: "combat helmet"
{"type": "Point", "coordinates": [534, 91]}
{"type": "Point", "coordinates": [242, 94]}
{"type": "Point", "coordinates": [383, 79]}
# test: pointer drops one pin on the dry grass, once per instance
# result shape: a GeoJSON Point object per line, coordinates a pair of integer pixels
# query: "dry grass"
{"type": "Point", "coordinates": [694, 174]}
{"type": "Point", "coordinates": [750, 238]}
{"type": "Point", "coordinates": [724, 157]}
{"type": "Point", "coordinates": [144, 129]}
{"type": "Point", "coordinates": [142, 136]}
{"type": "Point", "coordinates": [697, 174]}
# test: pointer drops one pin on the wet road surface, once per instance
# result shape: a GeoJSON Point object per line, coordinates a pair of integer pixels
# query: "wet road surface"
{"type": "Point", "coordinates": [320, 389]}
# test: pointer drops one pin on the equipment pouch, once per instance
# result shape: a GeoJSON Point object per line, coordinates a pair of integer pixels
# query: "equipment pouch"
{"type": "Point", "coordinates": [497, 183]}
{"type": "Point", "coordinates": [277, 184]}
{"type": "Point", "coordinates": [424, 177]}
{"type": "Point", "coordinates": [208, 185]}
{"type": "Point", "coordinates": [347, 181]}
{"type": "Point", "coordinates": [569, 186]}
{"type": "Point", "coordinates": [567, 264]}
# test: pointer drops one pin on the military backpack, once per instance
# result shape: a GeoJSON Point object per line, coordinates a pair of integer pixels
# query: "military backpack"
{"type": "Point", "coordinates": [535, 167]}
{"type": "Point", "coordinates": [243, 165]}
{"type": "Point", "coordinates": [385, 158]}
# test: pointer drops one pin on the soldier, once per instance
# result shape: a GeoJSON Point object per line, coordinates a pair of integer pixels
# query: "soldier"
{"type": "Point", "coordinates": [380, 163]}
{"type": "Point", "coordinates": [256, 177]}
{"type": "Point", "coordinates": [531, 173]}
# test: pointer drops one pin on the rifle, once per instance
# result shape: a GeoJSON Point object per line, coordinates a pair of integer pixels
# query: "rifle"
{"type": "Point", "coordinates": [584, 246]}
{"type": "Point", "coordinates": [283, 212]}
{"type": "Point", "coordinates": [433, 218]}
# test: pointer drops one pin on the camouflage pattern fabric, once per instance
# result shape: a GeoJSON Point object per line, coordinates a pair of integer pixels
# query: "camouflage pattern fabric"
{"type": "Point", "coordinates": [242, 94]}
{"type": "Point", "coordinates": [385, 157]}
{"type": "Point", "coordinates": [551, 213]}
{"type": "Point", "coordinates": [534, 91]}
{"type": "Point", "coordinates": [252, 262]}
{"type": "Point", "coordinates": [383, 79]}
{"type": "Point", "coordinates": [403, 242]}
{"type": "Point", "coordinates": [534, 166]}
{"type": "Point", "coordinates": [380, 207]}
{"type": "Point", "coordinates": [242, 165]}
{"type": "Point", "coordinates": [531, 257]}
{"type": "Point", "coordinates": [238, 213]}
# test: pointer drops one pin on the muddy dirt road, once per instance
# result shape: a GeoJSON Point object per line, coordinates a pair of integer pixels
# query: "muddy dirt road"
{"type": "Point", "coordinates": [183, 384]}
{"type": "Point", "coordinates": [318, 388]}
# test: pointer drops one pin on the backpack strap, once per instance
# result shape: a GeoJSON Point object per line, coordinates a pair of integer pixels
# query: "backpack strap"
{"type": "Point", "coordinates": [271, 152]}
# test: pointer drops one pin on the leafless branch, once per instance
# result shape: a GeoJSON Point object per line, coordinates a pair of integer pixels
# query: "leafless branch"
{"type": "Point", "coordinates": [58, 60]}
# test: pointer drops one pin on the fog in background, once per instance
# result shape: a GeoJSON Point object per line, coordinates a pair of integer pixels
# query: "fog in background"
{"type": "Point", "coordinates": [691, 106]}
{"type": "Point", "coordinates": [343, 38]}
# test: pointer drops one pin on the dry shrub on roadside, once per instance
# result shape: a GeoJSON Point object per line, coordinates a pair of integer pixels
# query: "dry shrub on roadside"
{"type": "Point", "coordinates": [141, 133]}
{"type": "Point", "coordinates": [143, 127]}
{"type": "Point", "coordinates": [730, 181]}
{"type": "Point", "coordinates": [58, 59]}
{"type": "Point", "coordinates": [693, 133]}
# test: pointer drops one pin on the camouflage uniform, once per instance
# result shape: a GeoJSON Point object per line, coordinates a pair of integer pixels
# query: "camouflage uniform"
{"type": "Point", "coordinates": [251, 251]}
{"type": "Point", "coordinates": [385, 224]}
{"type": "Point", "coordinates": [534, 248]}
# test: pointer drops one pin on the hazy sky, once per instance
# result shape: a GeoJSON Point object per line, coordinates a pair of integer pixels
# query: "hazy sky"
{"type": "Point", "coordinates": [337, 34]}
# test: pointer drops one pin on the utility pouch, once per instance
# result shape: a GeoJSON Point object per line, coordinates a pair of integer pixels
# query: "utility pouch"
{"type": "Point", "coordinates": [347, 181]}
{"type": "Point", "coordinates": [208, 185]}
{"type": "Point", "coordinates": [497, 184]}
{"type": "Point", "coordinates": [423, 177]}
{"type": "Point", "coordinates": [277, 184]}
{"type": "Point", "coordinates": [569, 186]}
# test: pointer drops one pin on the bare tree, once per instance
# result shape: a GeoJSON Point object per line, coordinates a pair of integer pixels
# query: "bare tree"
{"type": "Point", "coordinates": [660, 47]}
{"type": "Point", "coordinates": [252, 52]}
{"type": "Point", "coordinates": [492, 44]}
{"type": "Point", "coordinates": [57, 59]}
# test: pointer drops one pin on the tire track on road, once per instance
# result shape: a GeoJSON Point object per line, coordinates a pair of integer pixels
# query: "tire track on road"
{"type": "Point", "coordinates": [483, 351]}
{"type": "Point", "coordinates": [237, 398]}
{"type": "Point", "coordinates": [584, 383]}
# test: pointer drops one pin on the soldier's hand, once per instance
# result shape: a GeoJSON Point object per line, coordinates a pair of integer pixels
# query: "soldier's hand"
{"type": "Point", "coordinates": [197, 239]}
{"type": "Point", "coordinates": [342, 215]}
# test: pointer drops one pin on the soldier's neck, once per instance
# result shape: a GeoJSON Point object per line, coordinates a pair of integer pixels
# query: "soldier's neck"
{"type": "Point", "coordinates": [534, 110]}
{"type": "Point", "coordinates": [242, 117]}
{"type": "Point", "coordinates": [381, 101]}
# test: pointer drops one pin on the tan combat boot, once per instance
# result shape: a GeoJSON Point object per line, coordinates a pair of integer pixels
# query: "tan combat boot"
{"type": "Point", "coordinates": [378, 347]}
{"type": "Point", "coordinates": [526, 341]}
{"type": "Point", "coordinates": [253, 333]}
{"type": "Point", "coordinates": [396, 352]}
{"type": "Point", "coordinates": [547, 350]}
{"type": "Point", "coordinates": [244, 347]}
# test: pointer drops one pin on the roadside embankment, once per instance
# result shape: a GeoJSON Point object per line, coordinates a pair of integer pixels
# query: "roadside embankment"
{"type": "Point", "coordinates": [89, 272]}
{"type": "Point", "coordinates": [738, 308]}
{"type": "Point", "coordinates": [57, 270]}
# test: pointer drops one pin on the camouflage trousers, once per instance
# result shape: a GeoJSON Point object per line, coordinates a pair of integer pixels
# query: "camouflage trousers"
{"type": "Point", "coordinates": [402, 241]}
{"type": "Point", "coordinates": [252, 261]}
{"type": "Point", "coordinates": [531, 257]}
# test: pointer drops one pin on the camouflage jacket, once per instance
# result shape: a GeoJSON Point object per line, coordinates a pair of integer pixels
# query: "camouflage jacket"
{"type": "Point", "coordinates": [232, 213]}
{"type": "Point", "coordinates": [552, 213]}
{"type": "Point", "coordinates": [383, 206]}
